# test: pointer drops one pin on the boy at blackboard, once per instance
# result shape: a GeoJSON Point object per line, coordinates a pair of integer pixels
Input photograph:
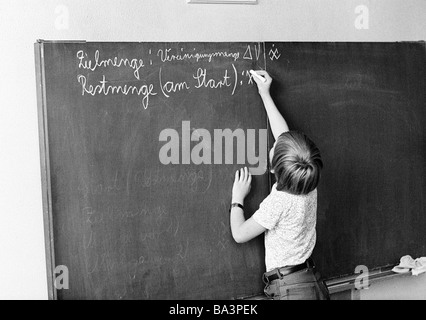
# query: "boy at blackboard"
{"type": "Point", "coordinates": [288, 215]}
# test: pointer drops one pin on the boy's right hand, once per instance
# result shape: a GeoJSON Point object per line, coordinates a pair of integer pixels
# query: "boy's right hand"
{"type": "Point", "coordinates": [263, 87]}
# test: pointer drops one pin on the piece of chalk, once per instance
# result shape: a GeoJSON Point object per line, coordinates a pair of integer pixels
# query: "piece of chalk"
{"type": "Point", "coordinates": [255, 74]}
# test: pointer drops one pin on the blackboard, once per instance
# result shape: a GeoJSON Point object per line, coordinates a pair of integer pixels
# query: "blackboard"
{"type": "Point", "coordinates": [126, 225]}
{"type": "Point", "coordinates": [130, 227]}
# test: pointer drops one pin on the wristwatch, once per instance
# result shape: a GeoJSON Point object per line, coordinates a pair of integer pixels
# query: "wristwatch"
{"type": "Point", "coordinates": [236, 204]}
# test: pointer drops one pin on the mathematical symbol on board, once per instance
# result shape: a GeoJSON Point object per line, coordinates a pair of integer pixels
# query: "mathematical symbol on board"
{"type": "Point", "coordinates": [250, 76]}
{"type": "Point", "coordinates": [222, 245]}
{"type": "Point", "coordinates": [257, 49]}
{"type": "Point", "coordinates": [274, 54]}
{"type": "Point", "coordinates": [248, 55]}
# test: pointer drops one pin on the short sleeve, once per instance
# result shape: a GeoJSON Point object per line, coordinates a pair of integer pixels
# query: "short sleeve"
{"type": "Point", "coordinates": [269, 212]}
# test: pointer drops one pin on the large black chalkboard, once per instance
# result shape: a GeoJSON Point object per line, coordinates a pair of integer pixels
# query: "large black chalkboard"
{"type": "Point", "coordinates": [125, 225]}
{"type": "Point", "coordinates": [129, 227]}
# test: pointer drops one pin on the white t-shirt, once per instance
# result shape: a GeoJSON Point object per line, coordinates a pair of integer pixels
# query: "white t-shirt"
{"type": "Point", "coordinates": [291, 221]}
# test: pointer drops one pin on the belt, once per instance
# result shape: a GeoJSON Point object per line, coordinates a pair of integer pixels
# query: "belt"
{"type": "Point", "coordinates": [284, 271]}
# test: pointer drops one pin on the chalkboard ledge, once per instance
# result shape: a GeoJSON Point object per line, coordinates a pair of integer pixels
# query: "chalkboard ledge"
{"type": "Point", "coordinates": [346, 283]}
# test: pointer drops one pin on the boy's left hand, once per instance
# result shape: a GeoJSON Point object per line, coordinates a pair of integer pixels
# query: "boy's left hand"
{"type": "Point", "coordinates": [242, 185]}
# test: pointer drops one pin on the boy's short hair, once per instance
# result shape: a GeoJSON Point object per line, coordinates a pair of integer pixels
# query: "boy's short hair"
{"type": "Point", "coordinates": [296, 163]}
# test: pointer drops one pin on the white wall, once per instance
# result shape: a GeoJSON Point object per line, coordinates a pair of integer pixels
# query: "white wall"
{"type": "Point", "coordinates": [22, 260]}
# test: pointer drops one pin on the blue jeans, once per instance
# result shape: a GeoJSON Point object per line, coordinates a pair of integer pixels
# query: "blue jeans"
{"type": "Point", "coordinates": [300, 285]}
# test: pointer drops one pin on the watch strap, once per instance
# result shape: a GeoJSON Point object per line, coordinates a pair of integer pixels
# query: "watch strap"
{"type": "Point", "coordinates": [236, 204]}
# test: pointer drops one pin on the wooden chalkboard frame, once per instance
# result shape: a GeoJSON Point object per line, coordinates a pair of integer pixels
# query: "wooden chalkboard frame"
{"type": "Point", "coordinates": [45, 170]}
{"type": "Point", "coordinates": [45, 166]}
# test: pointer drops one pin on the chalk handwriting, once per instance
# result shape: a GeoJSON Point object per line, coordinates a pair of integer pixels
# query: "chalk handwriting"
{"type": "Point", "coordinates": [204, 81]}
{"type": "Point", "coordinates": [115, 214]}
{"type": "Point", "coordinates": [166, 55]}
{"type": "Point", "coordinates": [274, 53]}
{"type": "Point", "coordinates": [248, 55]}
{"type": "Point", "coordinates": [147, 67]}
{"type": "Point", "coordinates": [84, 62]}
{"type": "Point", "coordinates": [91, 187]}
{"type": "Point", "coordinates": [197, 180]}
{"type": "Point", "coordinates": [170, 86]}
{"type": "Point", "coordinates": [104, 88]}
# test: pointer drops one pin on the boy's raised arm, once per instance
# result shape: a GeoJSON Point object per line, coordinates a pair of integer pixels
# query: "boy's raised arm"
{"type": "Point", "coordinates": [276, 120]}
